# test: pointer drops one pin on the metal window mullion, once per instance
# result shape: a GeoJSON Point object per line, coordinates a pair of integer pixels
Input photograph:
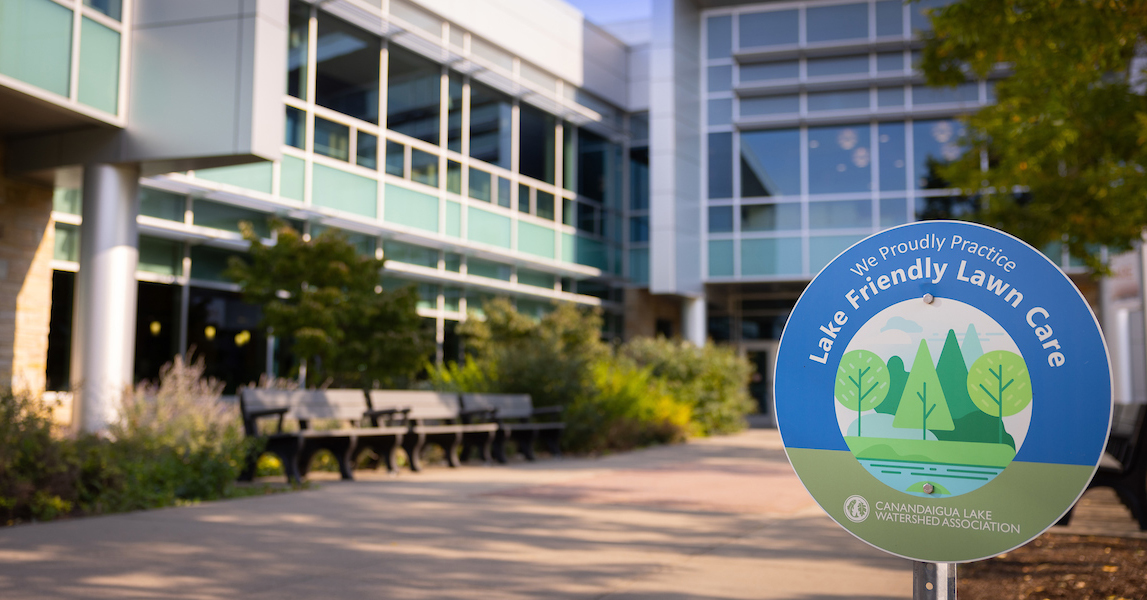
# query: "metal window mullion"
{"type": "Point", "coordinates": [74, 71]}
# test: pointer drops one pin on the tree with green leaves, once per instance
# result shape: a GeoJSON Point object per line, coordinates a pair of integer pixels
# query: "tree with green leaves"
{"type": "Point", "coordinates": [861, 383]}
{"type": "Point", "coordinates": [999, 385]}
{"type": "Point", "coordinates": [326, 300]}
{"type": "Point", "coordinates": [1066, 140]}
{"type": "Point", "coordinates": [923, 405]}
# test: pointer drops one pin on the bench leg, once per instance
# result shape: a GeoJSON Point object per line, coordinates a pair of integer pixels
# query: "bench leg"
{"type": "Point", "coordinates": [413, 444]}
{"type": "Point", "coordinates": [553, 441]}
{"type": "Point", "coordinates": [451, 448]}
{"type": "Point", "coordinates": [525, 440]}
{"type": "Point", "coordinates": [498, 447]}
{"type": "Point", "coordinates": [343, 450]}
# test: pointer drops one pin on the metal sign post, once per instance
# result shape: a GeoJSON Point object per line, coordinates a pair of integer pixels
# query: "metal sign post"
{"type": "Point", "coordinates": [943, 391]}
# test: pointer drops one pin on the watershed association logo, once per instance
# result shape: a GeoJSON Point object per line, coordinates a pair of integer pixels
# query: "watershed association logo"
{"type": "Point", "coordinates": [856, 508]}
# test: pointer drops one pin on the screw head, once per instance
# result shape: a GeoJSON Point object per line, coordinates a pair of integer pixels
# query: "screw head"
{"type": "Point", "coordinates": [928, 489]}
{"type": "Point", "coordinates": [928, 298]}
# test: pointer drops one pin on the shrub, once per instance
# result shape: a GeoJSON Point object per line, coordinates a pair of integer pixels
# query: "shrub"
{"type": "Point", "coordinates": [36, 471]}
{"type": "Point", "coordinates": [629, 408]}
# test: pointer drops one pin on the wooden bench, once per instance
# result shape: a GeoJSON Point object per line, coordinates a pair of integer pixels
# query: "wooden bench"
{"type": "Point", "coordinates": [437, 418]}
{"type": "Point", "coordinates": [519, 421]}
{"type": "Point", "coordinates": [359, 428]}
{"type": "Point", "coordinates": [1123, 466]}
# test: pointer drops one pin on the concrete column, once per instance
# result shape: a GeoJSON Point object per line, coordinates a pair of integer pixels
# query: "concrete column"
{"type": "Point", "coordinates": [694, 325]}
{"type": "Point", "coordinates": [103, 327]}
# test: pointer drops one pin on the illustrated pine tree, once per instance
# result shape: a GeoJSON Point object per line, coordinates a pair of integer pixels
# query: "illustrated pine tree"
{"type": "Point", "coordinates": [923, 405]}
{"type": "Point", "coordinates": [861, 382]}
{"type": "Point", "coordinates": [999, 385]}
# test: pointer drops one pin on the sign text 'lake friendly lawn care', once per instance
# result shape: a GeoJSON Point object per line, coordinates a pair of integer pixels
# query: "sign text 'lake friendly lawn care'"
{"type": "Point", "coordinates": [943, 391]}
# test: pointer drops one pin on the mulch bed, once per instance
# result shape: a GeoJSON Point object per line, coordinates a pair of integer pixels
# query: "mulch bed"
{"type": "Point", "coordinates": [1057, 566]}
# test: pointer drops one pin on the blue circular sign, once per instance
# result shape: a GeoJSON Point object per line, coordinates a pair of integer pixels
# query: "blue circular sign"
{"type": "Point", "coordinates": [943, 391]}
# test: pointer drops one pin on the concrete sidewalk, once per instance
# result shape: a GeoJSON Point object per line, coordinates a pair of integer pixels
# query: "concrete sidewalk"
{"type": "Point", "coordinates": [720, 518]}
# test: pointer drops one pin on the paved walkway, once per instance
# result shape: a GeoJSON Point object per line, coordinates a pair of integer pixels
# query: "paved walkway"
{"type": "Point", "coordinates": [721, 518]}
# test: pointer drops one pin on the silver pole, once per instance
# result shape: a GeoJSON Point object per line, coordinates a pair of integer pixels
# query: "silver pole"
{"type": "Point", "coordinates": [933, 581]}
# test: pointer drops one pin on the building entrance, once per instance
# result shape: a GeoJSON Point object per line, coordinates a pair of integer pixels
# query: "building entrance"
{"type": "Point", "coordinates": [763, 356]}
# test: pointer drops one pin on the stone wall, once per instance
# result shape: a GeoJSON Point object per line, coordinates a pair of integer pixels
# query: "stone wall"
{"type": "Point", "coordinates": [643, 310]}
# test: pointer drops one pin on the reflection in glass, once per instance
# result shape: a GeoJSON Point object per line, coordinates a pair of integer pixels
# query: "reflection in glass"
{"type": "Point", "coordinates": [395, 159]}
{"type": "Point", "coordinates": [366, 150]}
{"type": "Point", "coordinates": [297, 31]}
{"type": "Point", "coordinates": [839, 159]}
{"type": "Point", "coordinates": [886, 97]}
{"type": "Point", "coordinates": [503, 192]}
{"type": "Point", "coordinates": [346, 69]}
{"type": "Point", "coordinates": [720, 36]}
{"type": "Point", "coordinates": [889, 62]}
{"type": "Point", "coordinates": [935, 143]}
{"type": "Point", "coordinates": [768, 28]}
{"type": "Point", "coordinates": [111, 8]}
{"type": "Point", "coordinates": [423, 167]}
{"type": "Point", "coordinates": [840, 22]}
{"type": "Point", "coordinates": [639, 229]}
{"type": "Point", "coordinates": [769, 71]}
{"type": "Point", "coordinates": [332, 139]}
{"type": "Point", "coordinates": [595, 168]}
{"type": "Point", "coordinates": [490, 116]}
{"type": "Point", "coordinates": [847, 100]}
{"type": "Point", "coordinates": [720, 78]}
{"type": "Point", "coordinates": [295, 128]}
{"type": "Point", "coordinates": [453, 177]}
{"type": "Point", "coordinates": [413, 95]}
{"type": "Point", "coordinates": [569, 136]}
{"type": "Point", "coordinates": [721, 111]}
{"type": "Point", "coordinates": [545, 205]}
{"type": "Point", "coordinates": [844, 65]}
{"type": "Point", "coordinates": [946, 207]}
{"type": "Point", "coordinates": [840, 214]}
{"type": "Point", "coordinates": [770, 163]}
{"type": "Point", "coordinates": [536, 143]}
{"type": "Point", "coordinates": [479, 185]}
{"type": "Point", "coordinates": [770, 105]}
{"type": "Point", "coordinates": [822, 249]}
{"type": "Point", "coordinates": [568, 207]}
{"type": "Point", "coordinates": [639, 178]}
{"type": "Point", "coordinates": [893, 156]}
{"type": "Point", "coordinates": [770, 217]}
{"type": "Point", "coordinates": [454, 114]}
{"type": "Point", "coordinates": [720, 165]}
{"type": "Point", "coordinates": [721, 219]}
{"type": "Point", "coordinates": [893, 212]}
{"type": "Point", "coordinates": [524, 198]}
{"type": "Point", "coordinates": [587, 218]}
{"type": "Point", "coordinates": [965, 92]}
{"type": "Point", "coordinates": [776, 256]}
{"type": "Point", "coordinates": [889, 17]}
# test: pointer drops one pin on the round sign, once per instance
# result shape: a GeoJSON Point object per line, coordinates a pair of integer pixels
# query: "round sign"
{"type": "Point", "coordinates": [943, 391]}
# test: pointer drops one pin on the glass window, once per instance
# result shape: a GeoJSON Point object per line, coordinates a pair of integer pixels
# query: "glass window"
{"type": "Point", "coordinates": [452, 295]}
{"type": "Point", "coordinates": [919, 13]}
{"type": "Point", "coordinates": [395, 159]}
{"type": "Point", "coordinates": [545, 205]}
{"type": "Point", "coordinates": [893, 156]}
{"type": "Point", "coordinates": [893, 212]}
{"type": "Point", "coordinates": [452, 262]}
{"type": "Point", "coordinates": [485, 268]}
{"type": "Point", "coordinates": [839, 159]}
{"type": "Point", "coordinates": [480, 185]}
{"type": "Point", "coordinates": [888, 97]}
{"type": "Point", "coordinates": [536, 144]}
{"type": "Point", "coordinates": [822, 249]}
{"type": "Point", "coordinates": [720, 36]}
{"type": "Point", "coordinates": [848, 100]}
{"type": "Point", "coordinates": [410, 254]}
{"type": "Point", "coordinates": [423, 167]}
{"type": "Point", "coordinates": [770, 217]}
{"type": "Point", "coordinates": [889, 17]}
{"type": "Point", "coordinates": [490, 115]}
{"type": "Point", "coordinates": [593, 167]}
{"type": "Point", "coordinates": [721, 258]}
{"type": "Point", "coordinates": [769, 71]}
{"type": "Point", "coordinates": [638, 229]}
{"type": "Point", "coordinates": [332, 139]}
{"type": "Point", "coordinates": [161, 204]}
{"type": "Point", "coordinates": [295, 128]}
{"type": "Point", "coordinates": [504, 192]}
{"type": "Point", "coordinates": [844, 65]}
{"type": "Point", "coordinates": [37, 37]}
{"type": "Point", "coordinates": [776, 256]}
{"type": "Point", "coordinates": [413, 95]}
{"type": "Point", "coordinates": [67, 243]}
{"type": "Point", "coordinates": [111, 8]}
{"type": "Point", "coordinates": [453, 177]}
{"type": "Point", "coordinates": [157, 321]}
{"type": "Point", "coordinates": [840, 22]}
{"type": "Point", "coordinates": [840, 214]}
{"type": "Point", "coordinates": [524, 198]}
{"type": "Point", "coordinates": [535, 278]}
{"type": "Point", "coordinates": [98, 85]}
{"type": "Point", "coordinates": [890, 62]}
{"type": "Point", "coordinates": [568, 207]}
{"type": "Point", "coordinates": [768, 28]}
{"type": "Point", "coordinates": [227, 217]}
{"type": "Point", "coordinates": [721, 219]}
{"type": "Point", "coordinates": [965, 92]}
{"type": "Point", "coordinates": [770, 105]}
{"type": "Point", "coordinates": [770, 163]}
{"type": "Point", "coordinates": [720, 78]}
{"type": "Point", "coordinates": [721, 111]}
{"type": "Point", "coordinates": [346, 70]}
{"type": "Point", "coordinates": [587, 218]}
{"type": "Point", "coordinates": [639, 178]}
{"type": "Point", "coordinates": [569, 137]}
{"type": "Point", "coordinates": [720, 165]}
{"type": "Point", "coordinates": [298, 29]}
{"type": "Point", "coordinates": [454, 113]}
{"type": "Point", "coordinates": [935, 143]}
{"type": "Point", "coordinates": [367, 150]}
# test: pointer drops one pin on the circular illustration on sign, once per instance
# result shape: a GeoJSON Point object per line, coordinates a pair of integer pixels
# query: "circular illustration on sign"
{"type": "Point", "coordinates": [933, 427]}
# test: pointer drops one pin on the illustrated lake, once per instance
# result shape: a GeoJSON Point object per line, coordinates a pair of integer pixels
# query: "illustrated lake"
{"type": "Point", "coordinates": [953, 468]}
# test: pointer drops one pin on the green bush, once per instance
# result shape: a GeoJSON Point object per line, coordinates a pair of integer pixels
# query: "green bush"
{"type": "Point", "coordinates": [629, 408]}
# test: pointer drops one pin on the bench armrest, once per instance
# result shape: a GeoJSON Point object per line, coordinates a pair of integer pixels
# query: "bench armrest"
{"type": "Point", "coordinates": [373, 415]}
{"type": "Point", "coordinates": [254, 415]}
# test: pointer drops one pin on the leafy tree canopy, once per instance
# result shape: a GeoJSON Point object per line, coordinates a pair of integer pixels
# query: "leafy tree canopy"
{"type": "Point", "coordinates": [1067, 136]}
{"type": "Point", "coordinates": [325, 299]}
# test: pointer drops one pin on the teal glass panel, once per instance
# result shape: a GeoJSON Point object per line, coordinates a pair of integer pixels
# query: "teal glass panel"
{"type": "Point", "coordinates": [454, 222]}
{"type": "Point", "coordinates": [569, 247]}
{"type": "Point", "coordinates": [536, 240]}
{"type": "Point", "coordinates": [413, 209]}
{"type": "Point", "coordinates": [344, 191]}
{"type": "Point", "coordinates": [99, 67]}
{"type": "Point", "coordinates": [721, 258]}
{"type": "Point", "coordinates": [488, 228]}
{"type": "Point", "coordinates": [452, 295]}
{"type": "Point", "coordinates": [36, 43]}
{"type": "Point", "coordinates": [67, 245]}
{"type": "Point", "coordinates": [452, 262]}
{"type": "Point", "coordinates": [536, 279]}
{"type": "Point", "coordinates": [840, 214]}
{"type": "Point", "coordinates": [427, 296]}
{"type": "Point", "coordinates": [485, 268]}
{"type": "Point", "coordinates": [410, 254]}
{"type": "Point", "coordinates": [777, 256]}
{"type": "Point", "coordinates": [292, 177]}
{"type": "Point", "coordinates": [227, 217]}
{"type": "Point", "coordinates": [639, 265]}
{"type": "Point", "coordinates": [209, 263]}
{"type": "Point", "coordinates": [584, 251]}
{"type": "Point", "coordinates": [162, 257]}
{"type": "Point", "coordinates": [255, 176]}
{"type": "Point", "coordinates": [111, 8]}
{"type": "Point", "coordinates": [822, 249]}
{"type": "Point", "coordinates": [67, 200]}
{"type": "Point", "coordinates": [161, 204]}
{"type": "Point", "coordinates": [391, 284]}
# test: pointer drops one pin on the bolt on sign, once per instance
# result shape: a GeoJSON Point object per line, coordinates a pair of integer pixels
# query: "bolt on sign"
{"type": "Point", "coordinates": [943, 391]}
